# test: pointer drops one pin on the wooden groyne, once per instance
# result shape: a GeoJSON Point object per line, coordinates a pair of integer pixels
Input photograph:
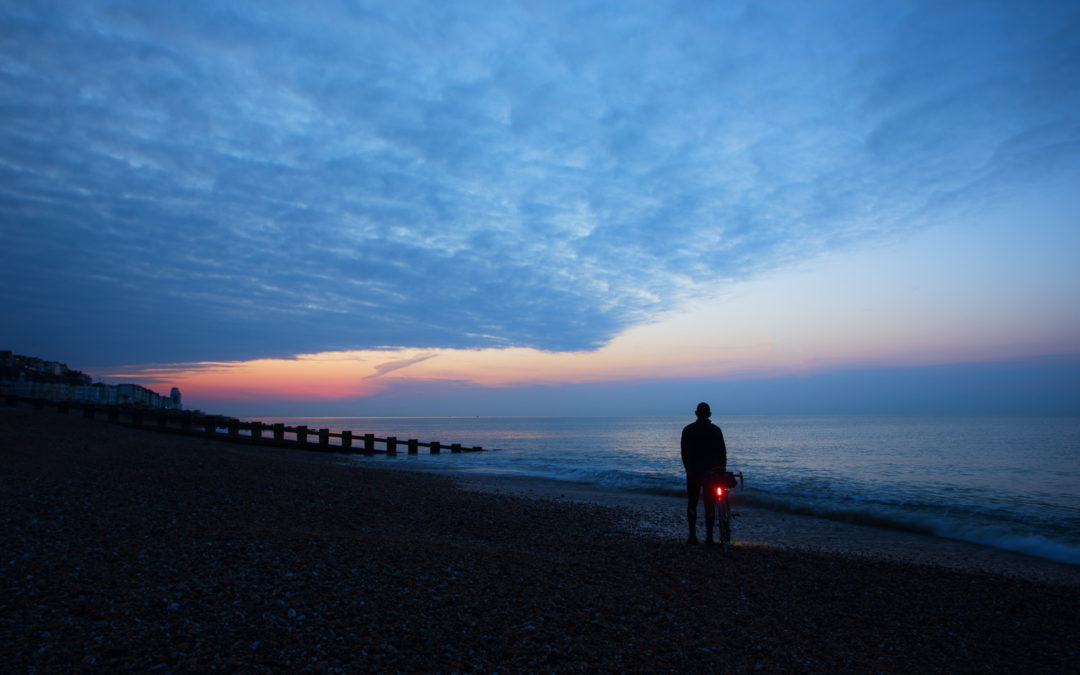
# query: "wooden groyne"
{"type": "Point", "coordinates": [219, 427]}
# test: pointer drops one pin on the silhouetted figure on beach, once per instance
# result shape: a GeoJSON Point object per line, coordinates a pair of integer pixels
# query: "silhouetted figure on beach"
{"type": "Point", "coordinates": [702, 449]}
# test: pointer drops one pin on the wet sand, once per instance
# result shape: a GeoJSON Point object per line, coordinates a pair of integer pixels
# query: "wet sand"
{"type": "Point", "coordinates": [124, 549]}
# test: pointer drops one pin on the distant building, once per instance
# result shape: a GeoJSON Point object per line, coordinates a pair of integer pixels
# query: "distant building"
{"type": "Point", "coordinates": [31, 377]}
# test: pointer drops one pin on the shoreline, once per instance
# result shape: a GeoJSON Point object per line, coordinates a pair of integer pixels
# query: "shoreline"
{"type": "Point", "coordinates": [663, 518]}
{"type": "Point", "coordinates": [128, 549]}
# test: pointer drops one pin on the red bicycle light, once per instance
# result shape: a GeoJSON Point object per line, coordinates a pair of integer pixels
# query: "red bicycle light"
{"type": "Point", "coordinates": [719, 491]}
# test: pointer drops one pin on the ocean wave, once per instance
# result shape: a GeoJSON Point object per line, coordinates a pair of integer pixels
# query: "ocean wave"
{"type": "Point", "coordinates": [961, 526]}
{"type": "Point", "coordinates": [1033, 545]}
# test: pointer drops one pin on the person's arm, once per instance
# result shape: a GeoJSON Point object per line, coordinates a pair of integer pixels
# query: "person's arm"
{"type": "Point", "coordinates": [682, 451]}
{"type": "Point", "coordinates": [723, 450]}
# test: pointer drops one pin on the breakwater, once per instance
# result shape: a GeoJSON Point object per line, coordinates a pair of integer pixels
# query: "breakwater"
{"type": "Point", "coordinates": [220, 427]}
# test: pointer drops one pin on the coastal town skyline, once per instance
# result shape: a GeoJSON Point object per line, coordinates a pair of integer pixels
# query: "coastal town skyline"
{"type": "Point", "coordinates": [499, 208]}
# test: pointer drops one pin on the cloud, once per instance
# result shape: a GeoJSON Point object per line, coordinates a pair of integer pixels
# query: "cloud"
{"type": "Point", "coordinates": [390, 366]}
{"type": "Point", "coordinates": [882, 328]}
{"type": "Point", "coordinates": [246, 180]}
{"type": "Point", "coordinates": [1026, 386]}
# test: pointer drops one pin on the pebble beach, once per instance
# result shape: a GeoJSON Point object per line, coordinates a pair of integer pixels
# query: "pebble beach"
{"type": "Point", "coordinates": [127, 549]}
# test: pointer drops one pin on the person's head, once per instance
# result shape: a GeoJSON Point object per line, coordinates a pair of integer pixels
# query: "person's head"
{"type": "Point", "coordinates": [703, 412]}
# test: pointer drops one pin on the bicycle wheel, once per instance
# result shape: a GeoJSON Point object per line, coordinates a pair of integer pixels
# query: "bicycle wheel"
{"type": "Point", "coordinates": [723, 522]}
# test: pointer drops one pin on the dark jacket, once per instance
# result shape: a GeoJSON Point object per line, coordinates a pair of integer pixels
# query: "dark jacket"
{"type": "Point", "coordinates": [703, 447]}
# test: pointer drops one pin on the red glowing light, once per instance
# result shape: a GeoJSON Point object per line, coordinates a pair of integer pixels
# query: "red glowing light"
{"type": "Point", "coordinates": [719, 491]}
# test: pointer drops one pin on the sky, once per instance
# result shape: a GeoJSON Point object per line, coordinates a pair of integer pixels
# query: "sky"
{"type": "Point", "coordinates": [473, 208]}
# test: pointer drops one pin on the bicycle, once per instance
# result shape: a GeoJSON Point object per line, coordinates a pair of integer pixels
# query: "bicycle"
{"type": "Point", "coordinates": [721, 485]}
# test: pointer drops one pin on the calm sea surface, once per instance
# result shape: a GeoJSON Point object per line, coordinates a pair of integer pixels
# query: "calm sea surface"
{"type": "Point", "coordinates": [1008, 482]}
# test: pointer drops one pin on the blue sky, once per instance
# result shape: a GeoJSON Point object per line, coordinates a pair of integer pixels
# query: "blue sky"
{"type": "Point", "coordinates": [819, 187]}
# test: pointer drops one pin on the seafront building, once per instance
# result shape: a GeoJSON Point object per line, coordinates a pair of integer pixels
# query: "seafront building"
{"type": "Point", "coordinates": [31, 377]}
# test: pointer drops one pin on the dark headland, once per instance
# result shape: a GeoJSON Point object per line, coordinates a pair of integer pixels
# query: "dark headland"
{"type": "Point", "coordinates": [125, 549]}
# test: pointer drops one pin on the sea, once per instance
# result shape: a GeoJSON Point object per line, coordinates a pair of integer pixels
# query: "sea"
{"type": "Point", "coordinates": [1007, 482]}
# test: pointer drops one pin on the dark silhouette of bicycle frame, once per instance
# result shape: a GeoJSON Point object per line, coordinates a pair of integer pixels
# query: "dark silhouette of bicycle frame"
{"type": "Point", "coordinates": [721, 485]}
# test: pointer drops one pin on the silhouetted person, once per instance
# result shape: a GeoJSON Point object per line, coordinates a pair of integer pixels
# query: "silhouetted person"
{"type": "Point", "coordinates": [702, 449]}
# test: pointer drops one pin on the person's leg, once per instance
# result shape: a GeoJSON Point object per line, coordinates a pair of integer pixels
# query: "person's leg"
{"type": "Point", "coordinates": [693, 488]}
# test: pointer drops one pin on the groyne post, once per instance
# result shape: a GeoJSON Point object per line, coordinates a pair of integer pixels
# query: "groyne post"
{"type": "Point", "coordinates": [197, 423]}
